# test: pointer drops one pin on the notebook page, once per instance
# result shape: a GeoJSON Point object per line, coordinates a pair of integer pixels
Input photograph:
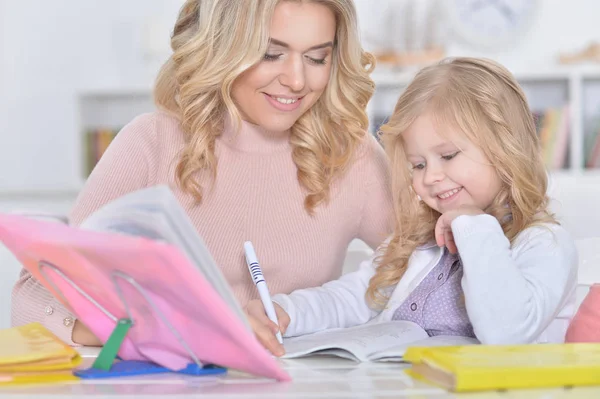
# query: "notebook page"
{"type": "Point", "coordinates": [360, 341]}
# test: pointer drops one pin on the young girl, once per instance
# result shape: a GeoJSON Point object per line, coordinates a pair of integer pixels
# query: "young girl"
{"type": "Point", "coordinates": [475, 251]}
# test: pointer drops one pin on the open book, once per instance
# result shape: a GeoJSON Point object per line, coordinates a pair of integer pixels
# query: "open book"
{"type": "Point", "coordinates": [156, 214]}
{"type": "Point", "coordinates": [140, 257]}
{"type": "Point", "coordinates": [382, 342]}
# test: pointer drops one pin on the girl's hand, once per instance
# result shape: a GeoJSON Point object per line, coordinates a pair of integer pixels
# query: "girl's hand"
{"type": "Point", "coordinates": [265, 329]}
{"type": "Point", "coordinates": [443, 227]}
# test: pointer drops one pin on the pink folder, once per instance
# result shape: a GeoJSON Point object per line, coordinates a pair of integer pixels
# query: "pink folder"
{"type": "Point", "coordinates": [168, 281]}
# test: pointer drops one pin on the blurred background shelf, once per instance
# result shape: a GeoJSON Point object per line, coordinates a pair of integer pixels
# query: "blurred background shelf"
{"type": "Point", "coordinates": [565, 101]}
{"type": "Point", "coordinates": [103, 112]}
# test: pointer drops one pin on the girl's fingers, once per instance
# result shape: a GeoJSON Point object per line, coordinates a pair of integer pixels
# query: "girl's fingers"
{"type": "Point", "coordinates": [450, 244]}
{"type": "Point", "coordinates": [269, 341]}
{"type": "Point", "coordinates": [440, 232]}
{"type": "Point", "coordinates": [256, 309]}
{"type": "Point", "coordinates": [266, 336]}
{"type": "Point", "coordinates": [282, 317]}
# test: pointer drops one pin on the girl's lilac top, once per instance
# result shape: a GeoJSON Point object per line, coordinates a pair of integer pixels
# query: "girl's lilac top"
{"type": "Point", "coordinates": [437, 304]}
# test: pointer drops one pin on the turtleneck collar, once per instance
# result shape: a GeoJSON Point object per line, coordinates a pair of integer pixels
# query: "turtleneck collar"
{"type": "Point", "coordinates": [253, 138]}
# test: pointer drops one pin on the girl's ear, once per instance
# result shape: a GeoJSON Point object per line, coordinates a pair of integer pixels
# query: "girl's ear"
{"type": "Point", "coordinates": [417, 195]}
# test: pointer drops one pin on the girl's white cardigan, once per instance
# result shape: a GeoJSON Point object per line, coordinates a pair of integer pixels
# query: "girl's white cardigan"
{"type": "Point", "coordinates": [519, 294]}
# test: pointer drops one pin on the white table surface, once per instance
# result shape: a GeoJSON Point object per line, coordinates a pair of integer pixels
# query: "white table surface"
{"type": "Point", "coordinates": [315, 377]}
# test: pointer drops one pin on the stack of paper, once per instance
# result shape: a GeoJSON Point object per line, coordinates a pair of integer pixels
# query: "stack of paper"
{"type": "Point", "coordinates": [32, 354]}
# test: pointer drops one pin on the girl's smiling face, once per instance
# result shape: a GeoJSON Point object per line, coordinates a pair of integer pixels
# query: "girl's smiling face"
{"type": "Point", "coordinates": [448, 170]}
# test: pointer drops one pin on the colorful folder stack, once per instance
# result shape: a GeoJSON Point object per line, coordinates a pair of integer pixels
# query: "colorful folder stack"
{"type": "Point", "coordinates": [32, 354]}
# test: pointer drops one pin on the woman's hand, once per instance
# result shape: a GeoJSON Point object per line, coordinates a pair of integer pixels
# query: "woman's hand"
{"type": "Point", "coordinates": [265, 329]}
{"type": "Point", "coordinates": [443, 227]}
{"type": "Point", "coordinates": [83, 336]}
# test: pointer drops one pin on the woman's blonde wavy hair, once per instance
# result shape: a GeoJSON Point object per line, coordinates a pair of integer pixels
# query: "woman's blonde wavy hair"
{"type": "Point", "coordinates": [213, 42]}
{"type": "Point", "coordinates": [482, 99]}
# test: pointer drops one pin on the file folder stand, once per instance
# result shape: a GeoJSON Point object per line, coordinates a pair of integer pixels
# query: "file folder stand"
{"type": "Point", "coordinates": [105, 365]}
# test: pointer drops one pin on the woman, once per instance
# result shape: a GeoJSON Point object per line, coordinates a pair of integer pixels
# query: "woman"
{"type": "Point", "coordinates": [261, 135]}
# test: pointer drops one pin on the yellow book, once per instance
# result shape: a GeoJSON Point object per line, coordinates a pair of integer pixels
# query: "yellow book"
{"type": "Point", "coordinates": [491, 367]}
{"type": "Point", "coordinates": [32, 348]}
{"type": "Point", "coordinates": [46, 377]}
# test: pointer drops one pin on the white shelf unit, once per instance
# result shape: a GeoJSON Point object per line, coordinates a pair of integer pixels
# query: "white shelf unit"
{"type": "Point", "coordinates": [577, 88]}
{"type": "Point", "coordinates": [109, 109]}
{"type": "Point", "coordinates": [113, 108]}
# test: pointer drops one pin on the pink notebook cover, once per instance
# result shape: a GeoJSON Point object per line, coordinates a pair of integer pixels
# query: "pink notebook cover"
{"type": "Point", "coordinates": [175, 286]}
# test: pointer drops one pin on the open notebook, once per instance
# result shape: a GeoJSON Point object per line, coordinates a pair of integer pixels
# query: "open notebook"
{"type": "Point", "coordinates": [386, 341]}
{"type": "Point", "coordinates": [140, 257]}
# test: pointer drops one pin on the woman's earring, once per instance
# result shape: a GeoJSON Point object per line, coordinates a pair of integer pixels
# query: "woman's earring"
{"type": "Point", "coordinates": [419, 198]}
